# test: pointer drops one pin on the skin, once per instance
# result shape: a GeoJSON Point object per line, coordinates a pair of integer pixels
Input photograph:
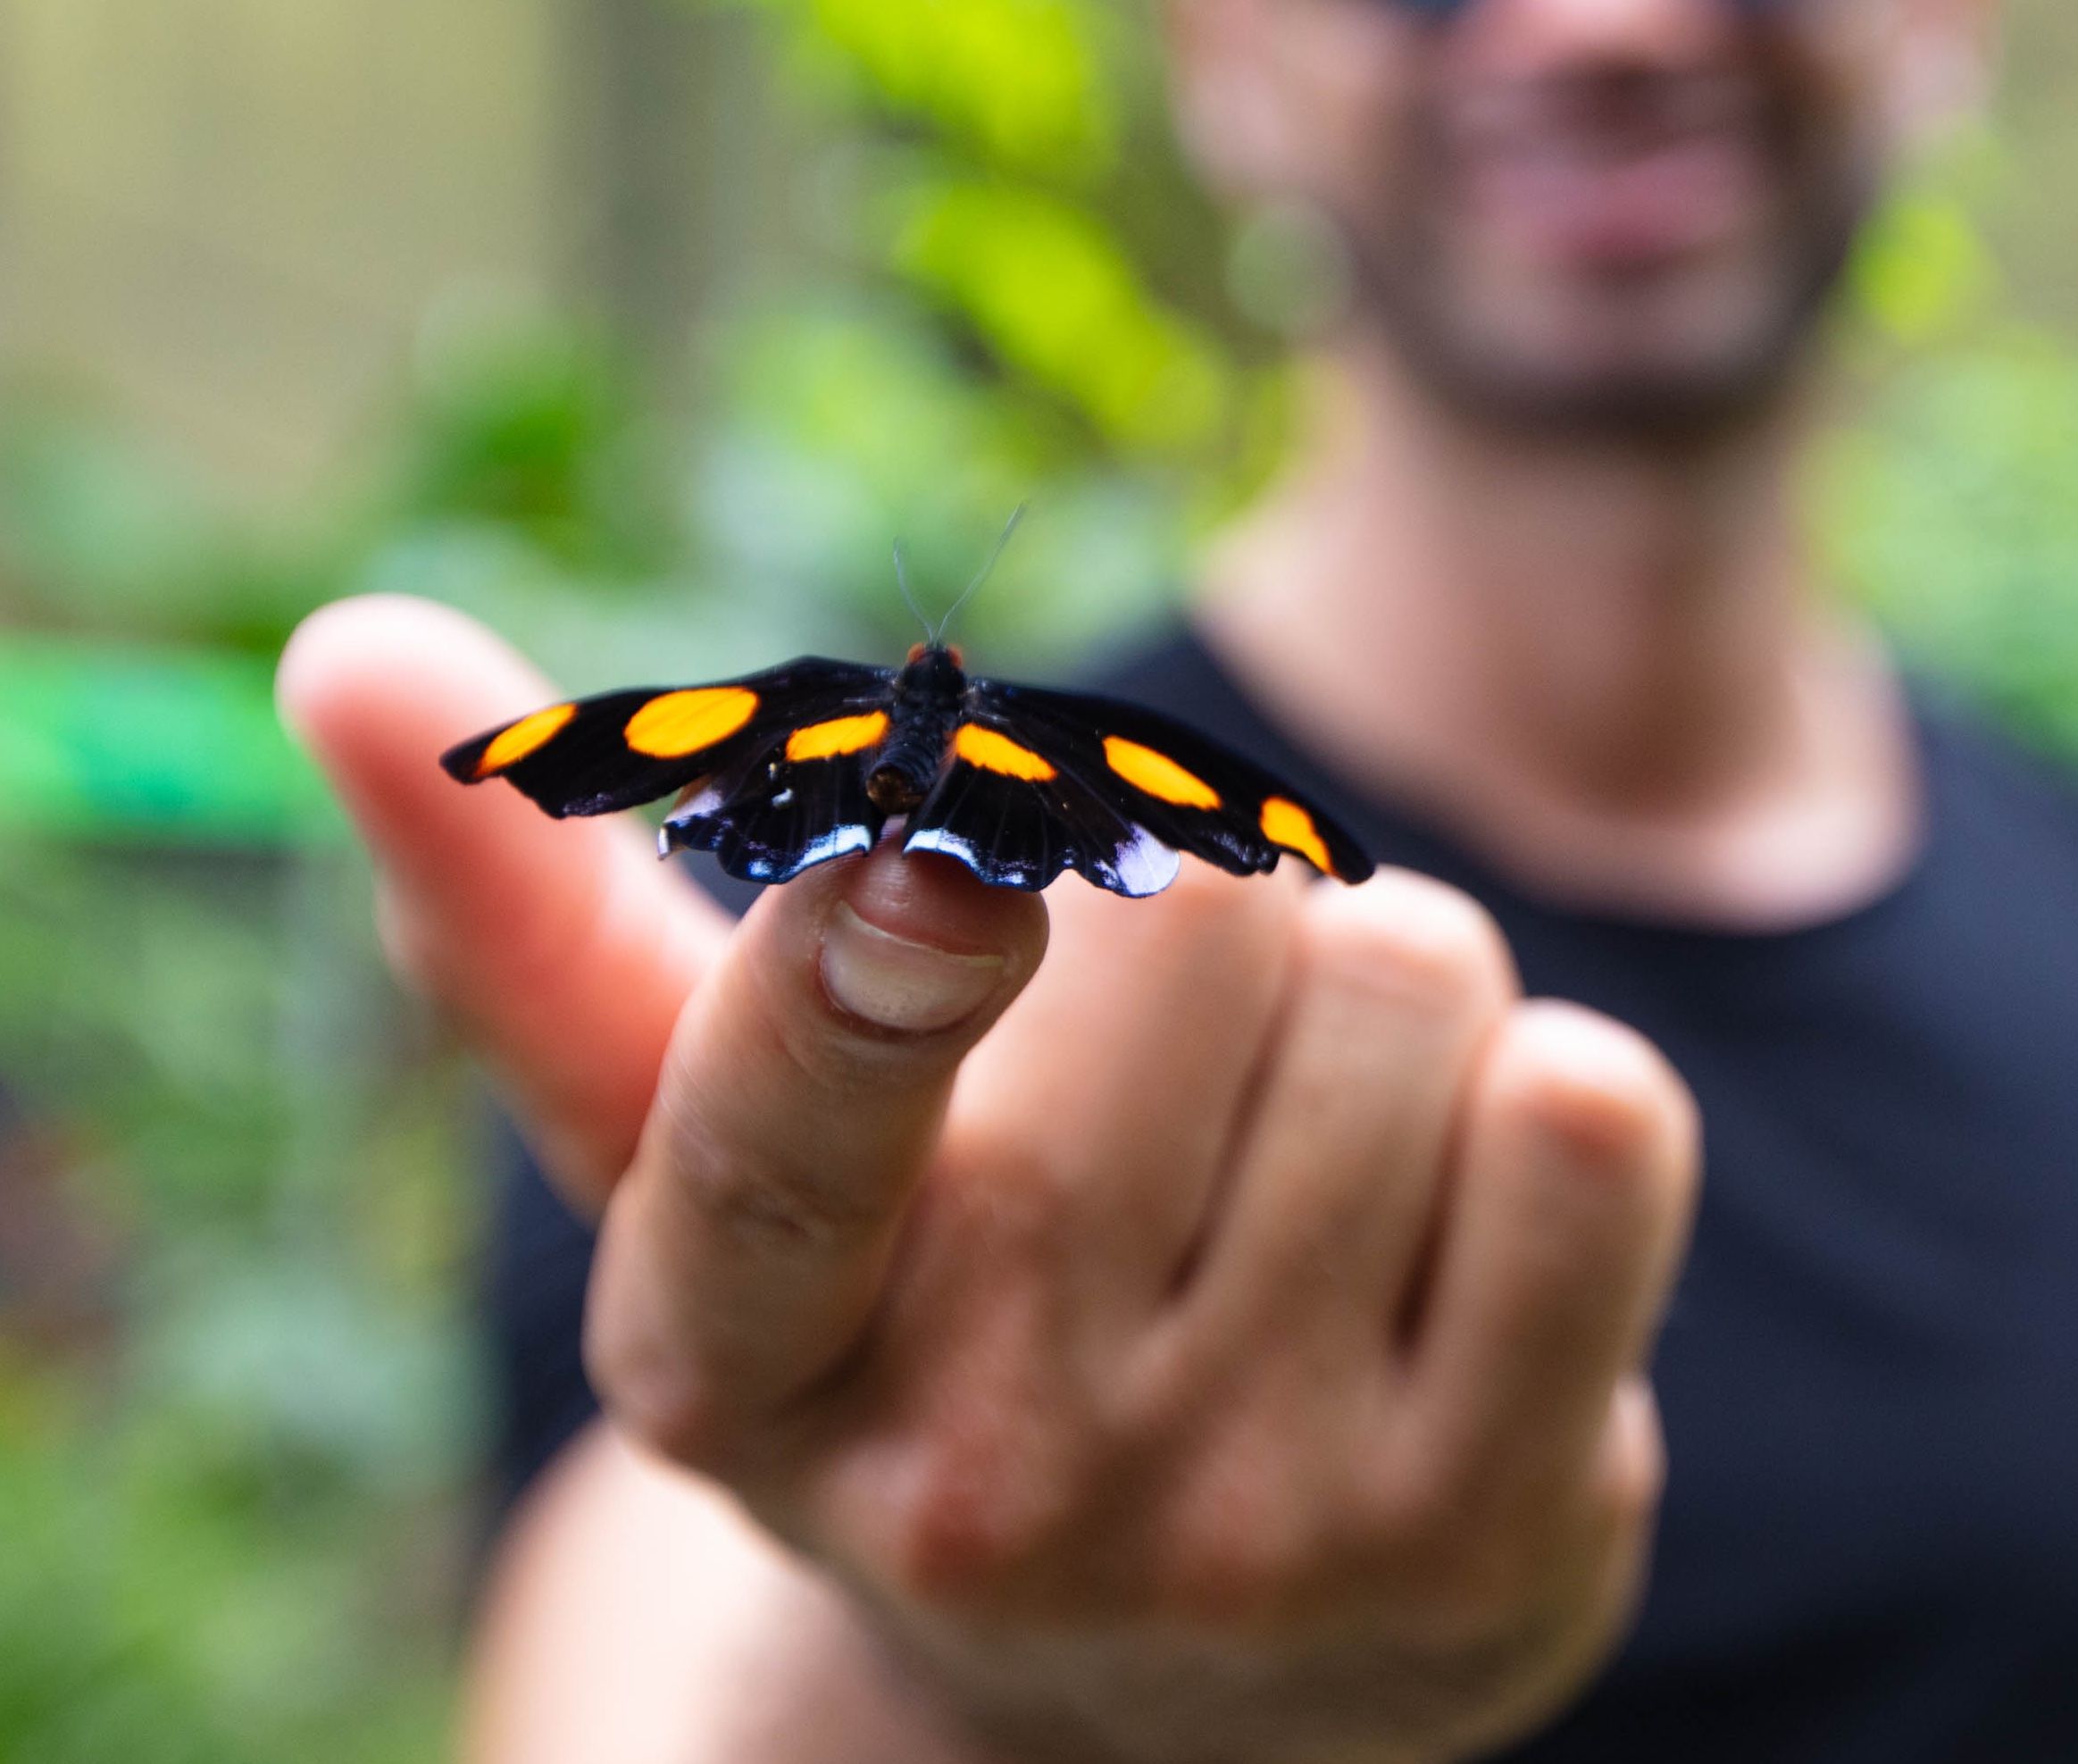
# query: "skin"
{"type": "Point", "coordinates": [1224, 1337]}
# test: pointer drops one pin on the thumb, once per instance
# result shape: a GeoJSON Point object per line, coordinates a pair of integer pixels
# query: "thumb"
{"type": "Point", "coordinates": [800, 1104]}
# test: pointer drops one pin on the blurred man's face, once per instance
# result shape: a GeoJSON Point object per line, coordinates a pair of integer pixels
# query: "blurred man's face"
{"type": "Point", "coordinates": [1618, 215]}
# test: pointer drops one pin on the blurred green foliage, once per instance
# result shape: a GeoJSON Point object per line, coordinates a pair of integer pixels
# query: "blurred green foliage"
{"type": "Point", "coordinates": [1946, 505]}
{"type": "Point", "coordinates": [237, 1404]}
{"type": "Point", "coordinates": [236, 1391]}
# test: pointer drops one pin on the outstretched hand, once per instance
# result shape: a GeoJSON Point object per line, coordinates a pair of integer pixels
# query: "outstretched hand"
{"type": "Point", "coordinates": [1226, 1343]}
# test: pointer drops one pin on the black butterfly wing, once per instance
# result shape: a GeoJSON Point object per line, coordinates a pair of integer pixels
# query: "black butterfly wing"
{"type": "Point", "coordinates": [1120, 784]}
{"type": "Point", "coordinates": [771, 763]}
{"type": "Point", "coordinates": [785, 804]}
{"type": "Point", "coordinates": [1017, 828]}
{"type": "Point", "coordinates": [772, 770]}
{"type": "Point", "coordinates": [1187, 788]}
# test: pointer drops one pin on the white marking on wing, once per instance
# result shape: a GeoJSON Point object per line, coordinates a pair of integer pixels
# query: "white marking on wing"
{"type": "Point", "coordinates": [835, 844]}
{"type": "Point", "coordinates": [694, 807]}
{"type": "Point", "coordinates": [939, 838]}
{"type": "Point", "coordinates": [1146, 865]}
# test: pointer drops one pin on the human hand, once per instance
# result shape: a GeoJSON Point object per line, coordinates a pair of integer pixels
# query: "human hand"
{"type": "Point", "coordinates": [1234, 1354]}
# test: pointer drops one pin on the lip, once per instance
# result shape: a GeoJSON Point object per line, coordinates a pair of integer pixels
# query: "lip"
{"type": "Point", "coordinates": [1629, 212]}
{"type": "Point", "coordinates": [1613, 188]}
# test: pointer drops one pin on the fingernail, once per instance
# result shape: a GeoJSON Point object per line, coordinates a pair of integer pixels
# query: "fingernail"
{"type": "Point", "coordinates": [898, 984]}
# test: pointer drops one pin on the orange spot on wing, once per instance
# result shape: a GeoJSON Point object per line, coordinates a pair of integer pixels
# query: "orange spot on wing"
{"type": "Point", "coordinates": [1287, 825]}
{"type": "Point", "coordinates": [529, 735]}
{"type": "Point", "coordinates": [678, 723]}
{"type": "Point", "coordinates": [1158, 774]}
{"type": "Point", "coordinates": [992, 752]}
{"type": "Point", "coordinates": [839, 735]}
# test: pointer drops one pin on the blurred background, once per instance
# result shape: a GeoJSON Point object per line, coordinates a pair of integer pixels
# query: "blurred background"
{"type": "Point", "coordinates": [639, 328]}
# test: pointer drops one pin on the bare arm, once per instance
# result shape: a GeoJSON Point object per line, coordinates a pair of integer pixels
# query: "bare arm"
{"type": "Point", "coordinates": [635, 1616]}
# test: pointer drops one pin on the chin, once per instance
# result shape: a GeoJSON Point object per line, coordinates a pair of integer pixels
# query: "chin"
{"type": "Point", "coordinates": [1693, 350]}
{"type": "Point", "coordinates": [1642, 407]}
{"type": "Point", "coordinates": [1641, 387]}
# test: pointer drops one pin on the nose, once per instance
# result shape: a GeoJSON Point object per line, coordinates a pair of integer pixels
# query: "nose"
{"type": "Point", "coordinates": [1532, 37]}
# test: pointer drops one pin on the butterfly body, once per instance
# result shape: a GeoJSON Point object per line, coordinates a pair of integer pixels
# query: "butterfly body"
{"type": "Point", "coordinates": [929, 696]}
{"type": "Point", "coordinates": [780, 771]}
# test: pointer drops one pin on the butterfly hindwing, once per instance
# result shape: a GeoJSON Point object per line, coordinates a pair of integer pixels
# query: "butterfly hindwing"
{"type": "Point", "coordinates": [1016, 830]}
{"type": "Point", "coordinates": [787, 803]}
{"type": "Point", "coordinates": [1119, 785]}
{"type": "Point", "coordinates": [596, 755]}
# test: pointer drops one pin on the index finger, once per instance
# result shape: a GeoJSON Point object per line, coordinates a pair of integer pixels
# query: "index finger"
{"type": "Point", "coordinates": [564, 950]}
{"type": "Point", "coordinates": [799, 1111]}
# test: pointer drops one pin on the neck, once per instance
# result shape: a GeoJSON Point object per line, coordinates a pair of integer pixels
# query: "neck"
{"type": "Point", "coordinates": [1602, 662]}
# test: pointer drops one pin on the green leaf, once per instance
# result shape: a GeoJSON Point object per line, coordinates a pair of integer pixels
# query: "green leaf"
{"type": "Point", "coordinates": [1052, 292]}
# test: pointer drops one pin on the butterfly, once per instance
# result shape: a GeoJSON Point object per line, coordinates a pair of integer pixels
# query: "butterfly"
{"type": "Point", "coordinates": [780, 771]}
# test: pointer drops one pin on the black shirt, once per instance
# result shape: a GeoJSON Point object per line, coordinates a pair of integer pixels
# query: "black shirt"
{"type": "Point", "coordinates": [1868, 1552]}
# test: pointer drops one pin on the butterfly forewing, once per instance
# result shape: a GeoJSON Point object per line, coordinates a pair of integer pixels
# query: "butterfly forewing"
{"type": "Point", "coordinates": [1163, 779]}
{"type": "Point", "coordinates": [596, 755]}
{"type": "Point", "coordinates": [775, 773]}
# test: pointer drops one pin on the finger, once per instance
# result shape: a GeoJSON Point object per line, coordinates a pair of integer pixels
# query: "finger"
{"type": "Point", "coordinates": [1573, 1190]}
{"type": "Point", "coordinates": [800, 1105]}
{"type": "Point", "coordinates": [1105, 1103]}
{"type": "Point", "coordinates": [1392, 989]}
{"type": "Point", "coordinates": [564, 950]}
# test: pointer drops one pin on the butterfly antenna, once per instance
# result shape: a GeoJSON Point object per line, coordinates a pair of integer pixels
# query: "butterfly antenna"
{"type": "Point", "coordinates": [1016, 514]}
{"type": "Point", "coordinates": [909, 598]}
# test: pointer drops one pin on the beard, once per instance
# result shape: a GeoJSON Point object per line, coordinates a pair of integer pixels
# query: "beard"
{"type": "Point", "coordinates": [1652, 355]}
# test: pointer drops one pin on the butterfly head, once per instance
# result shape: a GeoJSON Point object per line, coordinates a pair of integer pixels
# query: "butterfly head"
{"type": "Point", "coordinates": [933, 674]}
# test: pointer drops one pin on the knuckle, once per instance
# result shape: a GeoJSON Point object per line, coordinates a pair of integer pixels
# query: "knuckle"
{"type": "Point", "coordinates": [1002, 1467]}
{"type": "Point", "coordinates": [1026, 1217]}
{"type": "Point", "coordinates": [1241, 1562]}
{"type": "Point", "coordinates": [650, 1392]}
{"type": "Point", "coordinates": [780, 1210]}
{"type": "Point", "coordinates": [1631, 1476]}
{"type": "Point", "coordinates": [1598, 1089]}
{"type": "Point", "coordinates": [980, 1530]}
{"type": "Point", "coordinates": [962, 1550]}
{"type": "Point", "coordinates": [1426, 1504]}
{"type": "Point", "coordinates": [1236, 1584]}
{"type": "Point", "coordinates": [1160, 1389]}
{"type": "Point", "coordinates": [775, 1202]}
{"type": "Point", "coordinates": [1410, 940]}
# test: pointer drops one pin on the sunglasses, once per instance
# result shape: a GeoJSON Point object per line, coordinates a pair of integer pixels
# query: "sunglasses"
{"type": "Point", "coordinates": [1442, 12]}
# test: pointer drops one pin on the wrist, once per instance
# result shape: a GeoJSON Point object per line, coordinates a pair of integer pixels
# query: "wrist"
{"type": "Point", "coordinates": [1060, 1700]}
